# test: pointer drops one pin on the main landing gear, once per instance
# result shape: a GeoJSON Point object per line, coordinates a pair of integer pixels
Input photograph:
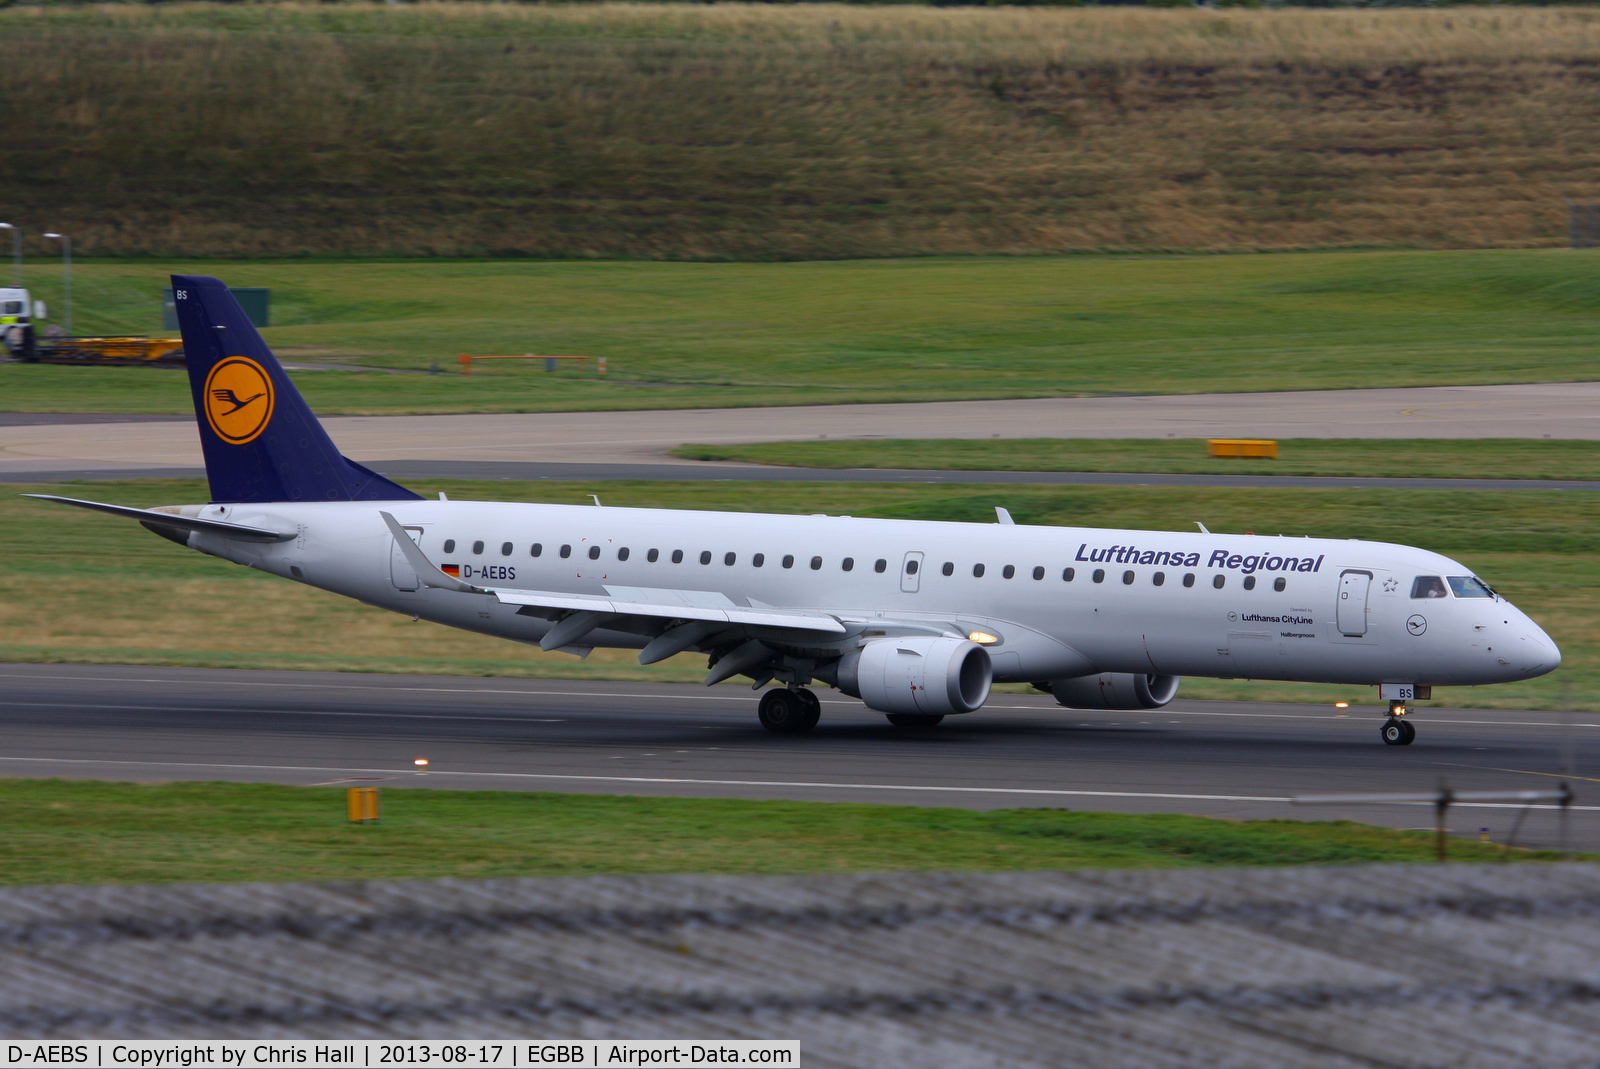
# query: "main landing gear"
{"type": "Point", "coordinates": [786, 711]}
{"type": "Point", "coordinates": [1397, 730]}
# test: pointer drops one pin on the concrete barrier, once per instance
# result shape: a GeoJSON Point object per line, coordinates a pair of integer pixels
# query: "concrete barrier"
{"type": "Point", "coordinates": [1394, 965]}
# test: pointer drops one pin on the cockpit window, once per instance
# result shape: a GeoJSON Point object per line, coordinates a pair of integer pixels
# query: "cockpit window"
{"type": "Point", "coordinates": [1428, 586]}
{"type": "Point", "coordinates": [1470, 586]}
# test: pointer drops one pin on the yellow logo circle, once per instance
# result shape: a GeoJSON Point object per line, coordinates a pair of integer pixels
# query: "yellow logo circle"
{"type": "Point", "coordinates": [238, 400]}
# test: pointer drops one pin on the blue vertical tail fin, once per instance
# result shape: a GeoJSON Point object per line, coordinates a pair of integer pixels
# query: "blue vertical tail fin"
{"type": "Point", "coordinates": [260, 439]}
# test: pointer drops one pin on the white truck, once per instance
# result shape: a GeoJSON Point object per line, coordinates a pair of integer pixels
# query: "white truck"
{"type": "Point", "coordinates": [18, 312]}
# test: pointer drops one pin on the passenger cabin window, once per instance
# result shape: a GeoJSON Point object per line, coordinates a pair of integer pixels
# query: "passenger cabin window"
{"type": "Point", "coordinates": [1470, 586]}
{"type": "Point", "coordinates": [594, 552]}
{"type": "Point", "coordinates": [949, 567]}
{"type": "Point", "coordinates": [788, 560]}
{"type": "Point", "coordinates": [705, 556]}
{"type": "Point", "coordinates": [911, 567]}
{"type": "Point", "coordinates": [1038, 573]}
{"type": "Point", "coordinates": [1158, 578]}
{"type": "Point", "coordinates": [848, 563]}
{"type": "Point", "coordinates": [816, 564]}
{"type": "Point", "coordinates": [653, 556]}
{"type": "Point", "coordinates": [977, 571]}
{"type": "Point", "coordinates": [729, 558]}
{"type": "Point", "coordinates": [1279, 583]}
{"type": "Point", "coordinates": [566, 551]}
{"type": "Point", "coordinates": [1068, 574]}
{"type": "Point", "coordinates": [1218, 579]}
{"type": "Point", "coordinates": [536, 549]}
{"type": "Point", "coordinates": [449, 545]}
{"type": "Point", "coordinates": [677, 556]}
{"type": "Point", "coordinates": [622, 554]}
{"type": "Point", "coordinates": [505, 549]}
{"type": "Point", "coordinates": [1249, 582]}
{"type": "Point", "coordinates": [758, 560]}
{"type": "Point", "coordinates": [1188, 579]}
{"type": "Point", "coordinates": [1099, 575]}
{"type": "Point", "coordinates": [879, 565]}
{"type": "Point", "coordinates": [1008, 571]}
{"type": "Point", "coordinates": [1428, 586]}
{"type": "Point", "coordinates": [477, 548]}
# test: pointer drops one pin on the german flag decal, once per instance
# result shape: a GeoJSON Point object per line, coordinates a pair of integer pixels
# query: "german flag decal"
{"type": "Point", "coordinates": [451, 570]}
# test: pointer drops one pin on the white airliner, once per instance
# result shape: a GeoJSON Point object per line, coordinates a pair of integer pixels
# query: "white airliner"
{"type": "Point", "coordinates": [916, 618]}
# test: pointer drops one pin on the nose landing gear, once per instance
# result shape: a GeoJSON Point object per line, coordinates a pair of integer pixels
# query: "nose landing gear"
{"type": "Point", "coordinates": [786, 711]}
{"type": "Point", "coordinates": [1397, 730]}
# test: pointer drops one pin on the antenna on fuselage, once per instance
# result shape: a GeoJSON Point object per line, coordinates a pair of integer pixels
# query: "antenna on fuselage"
{"type": "Point", "coordinates": [1202, 527]}
{"type": "Point", "coordinates": [596, 500]}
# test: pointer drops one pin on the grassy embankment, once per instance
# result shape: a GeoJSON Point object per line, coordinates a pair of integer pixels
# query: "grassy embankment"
{"type": "Point", "coordinates": [793, 132]}
{"type": "Point", "coordinates": [55, 831]}
{"type": "Point", "coordinates": [679, 335]}
{"type": "Point", "coordinates": [81, 587]}
{"type": "Point", "coordinates": [1419, 458]}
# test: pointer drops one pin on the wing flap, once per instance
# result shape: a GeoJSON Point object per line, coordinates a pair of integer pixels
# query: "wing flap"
{"type": "Point", "coordinates": [787, 618]}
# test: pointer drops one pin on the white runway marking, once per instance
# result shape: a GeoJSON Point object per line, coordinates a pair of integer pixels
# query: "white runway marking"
{"type": "Point", "coordinates": [804, 784]}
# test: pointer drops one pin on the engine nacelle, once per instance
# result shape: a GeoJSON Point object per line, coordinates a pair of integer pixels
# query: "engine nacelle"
{"type": "Point", "coordinates": [1115, 690]}
{"type": "Point", "coordinates": [917, 675]}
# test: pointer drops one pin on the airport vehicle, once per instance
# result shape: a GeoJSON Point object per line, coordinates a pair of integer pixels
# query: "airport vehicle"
{"type": "Point", "coordinates": [17, 313]}
{"type": "Point", "coordinates": [916, 618]}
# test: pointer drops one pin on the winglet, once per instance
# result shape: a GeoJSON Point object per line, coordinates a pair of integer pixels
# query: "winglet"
{"type": "Point", "coordinates": [427, 573]}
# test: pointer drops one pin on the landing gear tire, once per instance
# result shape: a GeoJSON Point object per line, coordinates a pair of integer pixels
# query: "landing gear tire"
{"type": "Point", "coordinates": [1397, 732]}
{"type": "Point", "coordinates": [912, 722]}
{"type": "Point", "coordinates": [789, 712]}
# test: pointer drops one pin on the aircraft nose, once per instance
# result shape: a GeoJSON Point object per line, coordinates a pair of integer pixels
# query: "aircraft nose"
{"type": "Point", "coordinates": [1537, 654]}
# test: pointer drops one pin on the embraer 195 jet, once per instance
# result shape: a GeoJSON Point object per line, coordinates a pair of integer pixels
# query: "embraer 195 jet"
{"type": "Point", "coordinates": [915, 618]}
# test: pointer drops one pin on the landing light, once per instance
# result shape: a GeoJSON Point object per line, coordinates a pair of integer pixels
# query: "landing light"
{"type": "Point", "coordinates": [1341, 705]}
{"type": "Point", "coordinates": [983, 638]}
{"type": "Point", "coordinates": [421, 762]}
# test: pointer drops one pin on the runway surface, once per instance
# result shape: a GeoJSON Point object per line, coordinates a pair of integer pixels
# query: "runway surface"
{"type": "Point", "coordinates": [1225, 759]}
{"type": "Point", "coordinates": [1554, 410]}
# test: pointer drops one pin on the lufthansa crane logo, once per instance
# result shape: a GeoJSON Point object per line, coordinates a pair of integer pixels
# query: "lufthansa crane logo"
{"type": "Point", "coordinates": [238, 400]}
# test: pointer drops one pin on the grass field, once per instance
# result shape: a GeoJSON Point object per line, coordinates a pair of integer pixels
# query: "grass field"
{"type": "Point", "coordinates": [82, 587]}
{"type": "Point", "coordinates": [56, 831]}
{"type": "Point", "coordinates": [679, 335]}
{"type": "Point", "coordinates": [1422, 458]}
{"type": "Point", "coordinates": [679, 131]}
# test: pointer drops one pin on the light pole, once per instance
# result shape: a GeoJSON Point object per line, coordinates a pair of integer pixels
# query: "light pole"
{"type": "Point", "coordinates": [66, 274]}
{"type": "Point", "coordinates": [16, 248]}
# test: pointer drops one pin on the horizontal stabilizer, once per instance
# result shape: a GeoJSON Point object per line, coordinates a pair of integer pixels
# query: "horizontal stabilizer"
{"type": "Point", "coordinates": [152, 518]}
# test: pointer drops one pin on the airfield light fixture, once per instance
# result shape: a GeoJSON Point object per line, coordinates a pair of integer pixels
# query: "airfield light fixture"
{"type": "Point", "coordinates": [16, 249]}
{"type": "Point", "coordinates": [66, 273]}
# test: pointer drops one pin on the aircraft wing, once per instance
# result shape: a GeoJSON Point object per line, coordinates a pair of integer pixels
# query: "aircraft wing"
{"type": "Point", "coordinates": [171, 522]}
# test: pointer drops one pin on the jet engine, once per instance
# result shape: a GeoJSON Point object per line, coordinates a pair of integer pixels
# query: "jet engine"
{"type": "Point", "coordinates": [918, 676]}
{"type": "Point", "coordinates": [1115, 690]}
